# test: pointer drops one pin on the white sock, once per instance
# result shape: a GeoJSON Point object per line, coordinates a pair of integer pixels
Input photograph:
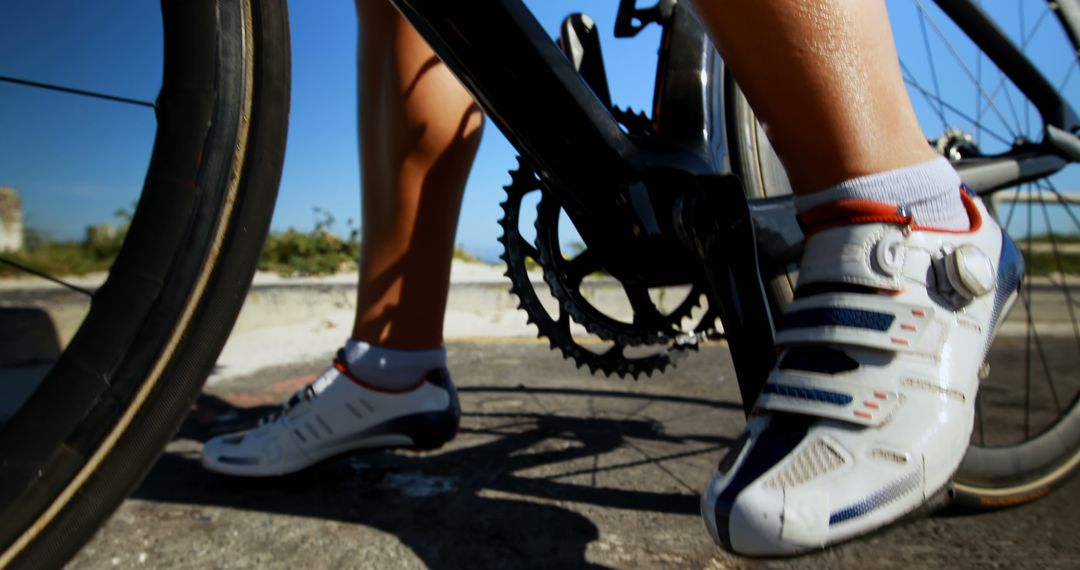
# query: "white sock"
{"type": "Point", "coordinates": [929, 190]}
{"type": "Point", "coordinates": [388, 368]}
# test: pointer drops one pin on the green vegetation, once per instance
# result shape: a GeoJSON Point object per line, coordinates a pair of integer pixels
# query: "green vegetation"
{"type": "Point", "coordinates": [1047, 263]}
{"type": "Point", "coordinates": [1048, 238]}
{"type": "Point", "coordinates": [461, 254]}
{"type": "Point", "coordinates": [1050, 253]}
{"type": "Point", "coordinates": [322, 252]}
{"type": "Point", "coordinates": [319, 252]}
{"type": "Point", "coordinates": [289, 253]}
{"type": "Point", "coordinates": [94, 253]}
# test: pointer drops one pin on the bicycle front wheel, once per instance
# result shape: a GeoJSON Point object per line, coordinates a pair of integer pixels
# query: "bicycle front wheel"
{"type": "Point", "coordinates": [1027, 429]}
{"type": "Point", "coordinates": [118, 392]}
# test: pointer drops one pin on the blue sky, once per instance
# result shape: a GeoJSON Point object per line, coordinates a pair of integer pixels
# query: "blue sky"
{"type": "Point", "coordinates": [77, 161]}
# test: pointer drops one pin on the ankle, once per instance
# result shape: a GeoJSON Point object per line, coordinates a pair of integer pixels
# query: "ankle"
{"type": "Point", "coordinates": [391, 368]}
{"type": "Point", "coordinates": [927, 195]}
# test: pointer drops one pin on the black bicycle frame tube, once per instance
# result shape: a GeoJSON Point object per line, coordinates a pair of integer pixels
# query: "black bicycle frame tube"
{"type": "Point", "coordinates": [548, 112]}
{"type": "Point", "coordinates": [687, 103]}
{"type": "Point", "coordinates": [531, 91]}
{"type": "Point", "coordinates": [1016, 66]}
{"type": "Point", "coordinates": [533, 94]}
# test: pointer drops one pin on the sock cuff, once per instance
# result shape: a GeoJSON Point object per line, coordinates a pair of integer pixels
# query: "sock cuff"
{"type": "Point", "coordinates": [391, 368]}
{"type": "Point", "coordinates": [904, 186]}
{"type": "Point", "coordinates": [929, 192]}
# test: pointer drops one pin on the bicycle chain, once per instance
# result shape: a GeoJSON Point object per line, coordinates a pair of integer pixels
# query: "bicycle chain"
{"type": "Point", "coordinates": [664, 335]}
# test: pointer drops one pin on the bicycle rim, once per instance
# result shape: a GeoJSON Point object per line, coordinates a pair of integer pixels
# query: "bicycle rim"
{"type": "Point", "coordinates": [969, 110]}
{"type": "Point", "coordinates": [129, 375]}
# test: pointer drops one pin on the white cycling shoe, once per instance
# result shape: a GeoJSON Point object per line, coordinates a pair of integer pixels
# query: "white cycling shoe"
{"type": "Point", "coordinates": [336, 415]}
{"type": "Point", "coordinates": [869, 410]}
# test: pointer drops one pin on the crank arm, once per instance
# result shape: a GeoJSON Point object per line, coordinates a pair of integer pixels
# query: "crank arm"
{"type": "Point", "coordinates": [716, 222]}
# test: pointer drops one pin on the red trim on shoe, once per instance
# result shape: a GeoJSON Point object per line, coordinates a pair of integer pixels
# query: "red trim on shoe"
{"type": "Point", "coordinates": [855, 211]}
{"type": "Point", "coordinates": [344, 370]}
{"type": "Point", "coordinates": [850, 212]}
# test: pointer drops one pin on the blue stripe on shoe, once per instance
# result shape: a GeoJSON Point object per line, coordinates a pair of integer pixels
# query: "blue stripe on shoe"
{"type": "Point", "coordinates": [879, 499]}
{"type": "Point", "coordinates": [837, 317]}
{"type": "Point", "coordinates": [783, 435]}
{"type": "Point", "coordinates": [1010, 274]}
{"type": "Point", "coordinates": [837, 398]}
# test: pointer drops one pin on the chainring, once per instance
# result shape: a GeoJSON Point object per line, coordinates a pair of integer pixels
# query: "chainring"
{"type": "Point", "coordinates": [660, 335]}
{"type": "Point", "coordinates": [565, 278]}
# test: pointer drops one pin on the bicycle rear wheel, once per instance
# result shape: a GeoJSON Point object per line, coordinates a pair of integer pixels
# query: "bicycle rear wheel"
{"type": "Point", "coordinates": [119, 391]}
{"type": "Point", "coordinates": [975, 115]}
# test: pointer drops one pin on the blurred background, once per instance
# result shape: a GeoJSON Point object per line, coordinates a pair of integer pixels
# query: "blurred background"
{"type": "Point", "coordinates": [76, 164]}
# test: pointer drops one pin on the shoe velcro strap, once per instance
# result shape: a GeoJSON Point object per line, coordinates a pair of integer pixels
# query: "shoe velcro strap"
{"type": "Point", "coordinates": [868, 321]}
{"type": "Point", "coordinates": [856, 397]}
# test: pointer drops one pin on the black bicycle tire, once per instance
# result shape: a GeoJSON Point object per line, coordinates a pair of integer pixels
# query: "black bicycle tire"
{"type": "Point", "coordinates": [222, 118]}
{"type": "Point", "coordinates": [988, 478]}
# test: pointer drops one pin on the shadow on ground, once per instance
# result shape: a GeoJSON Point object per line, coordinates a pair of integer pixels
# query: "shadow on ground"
{"type": "Point", "coordinates": [498, 493]}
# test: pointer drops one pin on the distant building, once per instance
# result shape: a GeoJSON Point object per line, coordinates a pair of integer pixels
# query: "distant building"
{"type": "Point", "coordinates": [11, 220]}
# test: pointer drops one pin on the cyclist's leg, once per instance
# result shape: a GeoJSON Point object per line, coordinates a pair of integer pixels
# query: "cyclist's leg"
{"type": "Point", "coordinates": [870, 409]}
{"type": "Point", "coordinates": [832, 99]}
{"type": "Point", "coordinates": [419, 132]}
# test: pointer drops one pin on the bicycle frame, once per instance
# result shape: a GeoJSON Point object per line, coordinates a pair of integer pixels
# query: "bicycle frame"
{"type": "Point", "coordinates": [1061, 144]}
{"type": "Point", "coordinates": [658, 209]}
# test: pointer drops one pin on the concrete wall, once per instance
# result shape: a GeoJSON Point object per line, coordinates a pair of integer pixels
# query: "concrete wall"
{"type": "Point", "coordinates": [11, 220]}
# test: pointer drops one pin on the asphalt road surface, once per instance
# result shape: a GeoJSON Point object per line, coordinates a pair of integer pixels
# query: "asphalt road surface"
{"type": "Point", "coordinates": [552, 468]}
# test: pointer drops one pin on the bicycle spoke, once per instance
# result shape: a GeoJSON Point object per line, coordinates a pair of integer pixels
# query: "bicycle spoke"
{"type": "Point", "coordinates": [910, 80]}
{"type": "Point", "coordinates": [73, 91]}
{"type": "Point", "coordinates": [1064, 202]}
{"type": "Point", "coordinates": [1042, 355]}
{"type": "Point", "coordinates": [977, 126]}
{"type": "Point", "coordinates": [1012, 111]}
{"type": "Point", "coordinates": [952, 49]}
{"type": "Point", "coordinates": [1033, 336]}
{"type": "Point", "coordinates": [1023, 34]}
{"type": "Point", "coordinates": [1008, 219]}
{"type": "Point", "coordinates": [1020, 10]}
{"type": "Point", "coordinates": [1061, 269]}
{"type": "Point", "coordinates": [1068, 298]}
{"type": "Point", "coordinates": [933, 70]}
{"type": "Point", "coordinates": [46, 276]}
{"type": "Point", "coordinates": [938, 108]}
{"type": "Point", "coordinates": [1023, 47]}
{"type": "Point", "coordinates": [1035, 28]}
{"type": "Point", "coordinates": [1068, 74]}
{"type": "Point", "coordinates": [1054, 250]}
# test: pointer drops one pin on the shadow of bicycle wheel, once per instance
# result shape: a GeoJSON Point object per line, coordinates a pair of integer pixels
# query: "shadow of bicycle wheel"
{"type": "Point", "coordinates": [508, 492]}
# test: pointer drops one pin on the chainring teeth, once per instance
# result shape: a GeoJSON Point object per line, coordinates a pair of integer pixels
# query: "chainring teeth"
{"type": "Point", "coordinates": [524, 180]}
{"type": "Point", "coordinates": [586, 314]}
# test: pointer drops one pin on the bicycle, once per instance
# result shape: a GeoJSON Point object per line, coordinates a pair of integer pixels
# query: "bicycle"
{"type": "Point", "coordinates": [651, 196]}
